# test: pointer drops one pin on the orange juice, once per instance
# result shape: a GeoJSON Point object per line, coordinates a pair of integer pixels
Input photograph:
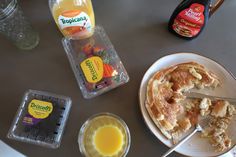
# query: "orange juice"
{"type": "Point", "coordinates": [104, 135]}
{"type": "Point", "coordinates": [74, 18]}
{"type": "Point", "coordinates": [108, 140]}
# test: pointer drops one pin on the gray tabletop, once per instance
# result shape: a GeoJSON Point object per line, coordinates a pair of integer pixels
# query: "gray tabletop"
{"type": "Point", "coordinates": [138, 30]}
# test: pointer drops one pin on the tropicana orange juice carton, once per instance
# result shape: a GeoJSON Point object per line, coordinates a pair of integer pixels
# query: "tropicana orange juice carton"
{"type": "Point", "coordinates": [74, 18]}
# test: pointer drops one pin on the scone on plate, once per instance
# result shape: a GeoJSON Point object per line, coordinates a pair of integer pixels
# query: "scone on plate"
{"type": "Point", "coordinates": [164, 94]}
{"type": "Point", "coordinates": [221, 115]}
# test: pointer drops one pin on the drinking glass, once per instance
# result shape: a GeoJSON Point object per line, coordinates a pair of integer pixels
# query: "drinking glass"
{"type": "Point", "coordinates": [15, 26]}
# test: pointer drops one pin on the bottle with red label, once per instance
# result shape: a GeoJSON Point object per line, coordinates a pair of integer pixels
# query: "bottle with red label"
{"type": "Point", "coordinates": [191, 16]}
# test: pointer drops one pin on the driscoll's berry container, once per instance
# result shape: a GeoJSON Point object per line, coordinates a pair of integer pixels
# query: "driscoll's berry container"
{"type": "Point", "coordinates": [95, 63]}
{"type": "Point", "coordinates": [41, 119]}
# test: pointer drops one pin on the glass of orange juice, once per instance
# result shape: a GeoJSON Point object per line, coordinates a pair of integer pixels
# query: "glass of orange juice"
{"type": "Point", "coordinates": [74, 18]}
{"type": "Point", "coordinates": [104, 135]}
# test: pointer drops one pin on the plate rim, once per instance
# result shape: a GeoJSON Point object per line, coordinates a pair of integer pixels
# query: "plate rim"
{"type": "Point", "coordinates": [142, 81]}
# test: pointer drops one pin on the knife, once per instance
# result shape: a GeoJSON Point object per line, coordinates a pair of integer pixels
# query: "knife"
{"type": "Point", "coordinates": [201, 96]}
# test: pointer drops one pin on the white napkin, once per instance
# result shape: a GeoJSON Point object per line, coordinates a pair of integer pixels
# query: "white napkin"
{"type": "Point", "coordinates": [7, 151]}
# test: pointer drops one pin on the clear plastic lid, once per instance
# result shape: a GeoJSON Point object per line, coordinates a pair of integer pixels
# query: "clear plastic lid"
{"type": "Point", "coordinates": [95, 63]}
{"type": "Point", "coordinates": [41, 119]}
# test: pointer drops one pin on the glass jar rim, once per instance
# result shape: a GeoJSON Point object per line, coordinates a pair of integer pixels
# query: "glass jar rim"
{"type": "Point", "coordinates": [8, 9]}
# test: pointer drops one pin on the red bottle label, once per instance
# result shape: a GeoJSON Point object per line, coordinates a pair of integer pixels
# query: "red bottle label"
{"type": "Point", "coordinates": [189, 22]}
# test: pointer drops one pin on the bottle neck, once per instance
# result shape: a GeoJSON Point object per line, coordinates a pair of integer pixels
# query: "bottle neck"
{"type": "Point", "coordinates": [7, 9]}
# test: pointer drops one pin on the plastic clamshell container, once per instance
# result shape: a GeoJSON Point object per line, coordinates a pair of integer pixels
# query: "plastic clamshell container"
{"type": "Point", "coordinates": [95, 63]}
{"type": "Point", "coordinates": [47, 131]}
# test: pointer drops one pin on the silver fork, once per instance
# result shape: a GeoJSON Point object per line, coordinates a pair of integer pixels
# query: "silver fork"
{"type": "Point", "coordinates": [200, 95]}
{"type": "Point", "coordinates": [198, 128]}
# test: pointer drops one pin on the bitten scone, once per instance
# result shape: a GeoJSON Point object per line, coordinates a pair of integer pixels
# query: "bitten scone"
{"type": "Point", "coordinates": [164, 94]}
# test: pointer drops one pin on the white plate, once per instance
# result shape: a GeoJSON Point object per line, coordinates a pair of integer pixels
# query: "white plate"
{"type": "Point", "coordinates": [7, 151]}
{"type": "Point", "coordinates": [195, 146]}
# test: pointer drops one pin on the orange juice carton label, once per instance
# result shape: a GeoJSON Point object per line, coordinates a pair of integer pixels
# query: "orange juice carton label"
{"type": "Point", "coordinates": [74, 21]}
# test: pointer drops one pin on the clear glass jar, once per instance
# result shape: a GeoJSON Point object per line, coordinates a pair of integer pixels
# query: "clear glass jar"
{"type": "Point", "coordinates": [15, 26]}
